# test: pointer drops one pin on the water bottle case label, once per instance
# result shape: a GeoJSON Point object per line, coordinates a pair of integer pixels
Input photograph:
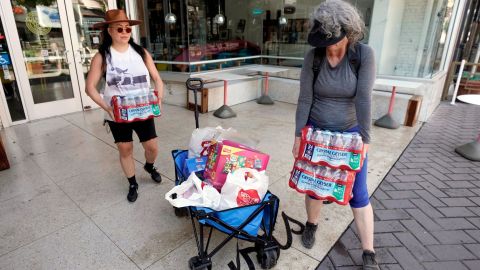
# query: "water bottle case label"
{"type": "Point", "coordinates": [331, 157]}
{"type": "Point", "coordinates": [336, 150]}
{"type": "Point", "coordinates": [320, 187]}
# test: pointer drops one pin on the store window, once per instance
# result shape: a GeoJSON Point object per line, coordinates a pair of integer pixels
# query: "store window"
{"type": "Point", "coordinates": [217, 31]}
{"type": "Point", "coordinates": [409, 36]}
{"type": "Point", "coordinates": [121, 4]}
{"type": "Point", "coordinates": [165, 39]}
{"type": "Point", "coordinates": [285, 25]}
{"type": "Point", "coordinates": [275, 29]}
{"type": "Point", "coordinates": [442, 33]}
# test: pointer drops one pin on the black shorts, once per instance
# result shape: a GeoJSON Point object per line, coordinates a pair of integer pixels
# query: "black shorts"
{"type": "Point", "coordinates": [122, 132]}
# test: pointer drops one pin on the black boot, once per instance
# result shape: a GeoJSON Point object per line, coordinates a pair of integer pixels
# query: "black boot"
{"type": "Point", "coordinates": [308, 236]}
{"type": "Point", "coordinates": [369, 261]}
{"type": "Point", "coordinates": [153, 172]}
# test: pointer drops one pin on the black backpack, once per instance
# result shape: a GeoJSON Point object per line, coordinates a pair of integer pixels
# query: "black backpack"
{"type": "Point", "coordinates": [354, 58]}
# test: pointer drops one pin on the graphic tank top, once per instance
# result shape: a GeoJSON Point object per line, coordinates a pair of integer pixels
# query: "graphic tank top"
{"type": "Point", "coordinates": [126, 74]}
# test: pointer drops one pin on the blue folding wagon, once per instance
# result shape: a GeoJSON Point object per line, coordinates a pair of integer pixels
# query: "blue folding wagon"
{"type": "Point", "coordinates": [254, 223]}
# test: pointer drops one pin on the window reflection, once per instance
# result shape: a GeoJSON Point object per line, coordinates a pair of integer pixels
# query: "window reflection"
{"type": "Point", "coordinates": [406, 34]}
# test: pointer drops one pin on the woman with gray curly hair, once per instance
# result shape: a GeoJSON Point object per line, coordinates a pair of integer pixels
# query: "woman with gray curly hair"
{"type": "Point", "coordinates": [337, 97]}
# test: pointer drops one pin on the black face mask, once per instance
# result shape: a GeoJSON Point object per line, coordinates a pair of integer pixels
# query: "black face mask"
{"type": "Point", "coordinates": [318, 38]}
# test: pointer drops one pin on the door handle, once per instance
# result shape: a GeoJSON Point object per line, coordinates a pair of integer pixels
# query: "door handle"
{"type": "Point", "coordinates": [65, 56]}
{"type": "Point", "coordinates": [82, 56]}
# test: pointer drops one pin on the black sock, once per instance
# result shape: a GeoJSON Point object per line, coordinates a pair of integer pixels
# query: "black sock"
{"type": "Point", "coordinates": [148, 166]}
{"type": "Point", "coordinates": [311, 224]}
{"type": "Point", "coordinates": [132, 180]}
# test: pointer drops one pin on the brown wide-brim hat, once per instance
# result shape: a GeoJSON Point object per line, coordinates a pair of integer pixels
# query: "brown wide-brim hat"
{"type": "Point", "coordinates": [116, 16]}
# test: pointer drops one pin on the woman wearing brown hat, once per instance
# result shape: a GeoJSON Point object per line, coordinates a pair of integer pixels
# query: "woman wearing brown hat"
{"type": "Point", "coordinates": [127, 68]}
{"type": "Point", "coordinates": [337, 97]}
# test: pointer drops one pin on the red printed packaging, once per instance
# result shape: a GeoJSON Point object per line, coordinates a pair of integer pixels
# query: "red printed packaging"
{"type": "Point", "coordinates": [227, 156]}
{"type": "Point", "coordinates": [127, 109]}
{"type": "Point", "coordinates": [333, 149]}
{"type": "Point", "coordinates": [322, 182]}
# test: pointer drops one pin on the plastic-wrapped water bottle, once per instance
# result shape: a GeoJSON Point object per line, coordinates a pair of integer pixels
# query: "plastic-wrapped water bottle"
{"type": "Point", "coordinates": [321, 171]}
{"type": "Point", "coordinates": [130, 101]}
{"type": "Point", "coordinates": [326, 135]}
{"type": "Point", "coordinates": [343, 175]}
{"type": "Point", "coordinates": [152, 97]}
{"type": "Point", "coordinates": [124, 102]}
{"type": "Point", "coordinates": [347, 141]}
{"type": "Point", "coordinates": [138, 100]}
{"type": "Point", "coordinates": [318, 171]}
{"type": "Point", "coordinates": [318, 136]}
{"type": "Point", "coordinates": [338, 140]}
{"type": "Point", "coordinates": [309, 168]}
{"type": "Point", "coordinates": [145, 99]}
{"type": "Point", "coordinates": [118, 101]}
{"type": "Point", "coordinates": [299, 164]}
{"type": "Point", "coordinates": [357, 142]}
{"type": "Point", "coordinates": [328, 172]}
{"type": "Point", "coordinates": [309, 133]}
{"type": "Point", "coordinates": [336, 174]}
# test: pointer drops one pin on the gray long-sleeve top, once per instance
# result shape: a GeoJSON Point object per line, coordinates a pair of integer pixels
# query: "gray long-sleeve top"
{"type": "Point", "coordinates": [339, 101]}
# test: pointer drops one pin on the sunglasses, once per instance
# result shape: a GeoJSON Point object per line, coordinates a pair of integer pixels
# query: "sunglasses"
{"type": "Point", "coordinates": [128, 30]}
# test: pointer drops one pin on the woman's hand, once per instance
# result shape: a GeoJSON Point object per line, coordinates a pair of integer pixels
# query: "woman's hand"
{"type": "Point", "coordinates": [109, 110]}
{"type": "Point", "coordinates": [296, 146]}
{"type": "Point", "coordinates": [365, 150]}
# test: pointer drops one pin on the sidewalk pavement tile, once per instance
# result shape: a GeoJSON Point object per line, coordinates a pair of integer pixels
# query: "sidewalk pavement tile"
{"type": "Point", "coordinates": [79, 246]}
{"type": "Point", "coordinates": [146, 230]}
{"type": "Point", "coordinates": [30, 216]}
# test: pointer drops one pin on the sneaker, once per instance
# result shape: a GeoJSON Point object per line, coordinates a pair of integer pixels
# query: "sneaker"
{"type": "Point", "coordinates": [308, 235]}
{"type": "Point", "coordinates": [369, 261]}
{"type": "Point", "coordinates": [154, 174]}
{"type": "Point", "coordinates": [132, 193]}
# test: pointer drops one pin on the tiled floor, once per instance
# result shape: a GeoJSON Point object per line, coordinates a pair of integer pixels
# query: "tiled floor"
{"type": "Point", "coordinates": [428, 207]}
{"type": "Point", "coordinates": [63, 205]}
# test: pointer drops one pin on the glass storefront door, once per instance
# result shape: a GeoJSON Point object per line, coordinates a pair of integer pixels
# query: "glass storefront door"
{"type": "Point", "coordinates": [8, 81]}
{"type": "Point", "coordinates": [85, 39]}
{"type": "Point", "coordinates": [52, 43]}
{"type": "Point", "coordinates": [43, 43]}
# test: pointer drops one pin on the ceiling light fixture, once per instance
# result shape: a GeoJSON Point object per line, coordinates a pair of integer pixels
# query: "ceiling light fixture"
{"type": "Point", "coordinates": [219, 18]}
{"type": "Point", "coordinates": [170, 18]}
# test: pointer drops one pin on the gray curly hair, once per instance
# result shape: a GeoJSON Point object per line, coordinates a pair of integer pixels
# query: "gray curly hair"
{"type": "Point", "coordinates": [335, 15]}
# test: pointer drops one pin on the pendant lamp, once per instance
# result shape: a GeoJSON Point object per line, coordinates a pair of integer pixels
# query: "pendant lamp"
{"type": "Point", "coordinates": [219, 18]}
{"type": "Point", "coordinates": [282, 20]}
{"type": "Point", "coordinates": [170, 18]}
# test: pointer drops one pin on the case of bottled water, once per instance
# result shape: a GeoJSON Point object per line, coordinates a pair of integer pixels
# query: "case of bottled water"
{"type": "Point", "coordinates": [131, 108]}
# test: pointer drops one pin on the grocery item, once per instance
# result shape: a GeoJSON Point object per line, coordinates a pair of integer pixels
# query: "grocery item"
{"type": "Point", "coordinates": [322, 182]}
{"type": "Point", "coordinates": [336, 150]}
{"type": "Point", "coordinates": [227, 156]}
{"type": "Point", "coordinates": [127, 109]}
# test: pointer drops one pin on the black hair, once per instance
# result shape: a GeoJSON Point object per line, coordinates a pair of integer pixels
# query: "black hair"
{"type": "Point", "coordinates": [107, 41]}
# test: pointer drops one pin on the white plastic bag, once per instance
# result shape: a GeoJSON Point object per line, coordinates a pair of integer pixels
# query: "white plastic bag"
{"type": "Point", "coordinates": [243, 187]}
{"type": "Point", "coordinates": [201, 139]}
{"type": "Point", "coordinates": [194, 192]}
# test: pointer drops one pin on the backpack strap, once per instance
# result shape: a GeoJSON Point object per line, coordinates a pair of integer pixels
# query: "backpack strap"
{"type": "Point", "coordinates": [317, 60]}
{"type": "Point", "coordinates": [355, 58]}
